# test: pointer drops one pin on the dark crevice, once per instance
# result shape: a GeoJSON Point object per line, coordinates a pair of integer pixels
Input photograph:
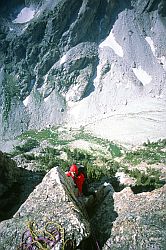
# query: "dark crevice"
{"type": "Point", "coordinates": [148, 188]}
{"type": "Point", "coordinates": [17, 194]}
{"type": "Point", "coordinates": [90, 243]}
{"type": "Point", "coordinates": [8, 201]}
{"type": "Point", "coordinates": [154, 5]}
{"type": "Point", "coordinates": [7, 5]}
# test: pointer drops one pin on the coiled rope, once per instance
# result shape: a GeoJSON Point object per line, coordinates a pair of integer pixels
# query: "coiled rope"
{"type": "Point", "coordinates": [53, 234]}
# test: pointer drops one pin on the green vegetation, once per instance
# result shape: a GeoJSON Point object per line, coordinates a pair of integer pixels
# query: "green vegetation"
{"type": "Point", "coordinates": [49, 158]}
{"type": "Point", "coordinates": [112, 148]}
{"type": "Point", "coordinates": [151, 153]}
{"type": "Point", "coordinates": [78, 155]}
{"type": "Point", "coordinates": [115, 150]}
{"type": "Point", "coordinates": [89, 137]}
{"type": "Point", "coordinates": [27, 146]}
{"type": "Point", "coordinates": [51, 135]}
{"type": "Point", "coordinates": [10, 91]}
{"type": "Point", "coordinates": [102, 163]}
{"type": "Point", "coordinates": [148, 180]}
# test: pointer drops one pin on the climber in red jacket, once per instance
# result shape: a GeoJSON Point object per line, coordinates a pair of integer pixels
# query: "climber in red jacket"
{"type": "Point", "coordinates": [80, 181]}
{"type": "Point", "coordinates": [78, 178]}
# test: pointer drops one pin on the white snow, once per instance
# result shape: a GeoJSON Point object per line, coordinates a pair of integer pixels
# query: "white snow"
{"type": "Point", "coordinates": [26, 101]}
{"type": "Point", "coordinates": [99, 68]}
{"type": "Point", "coordinates": [1, 74]}
{"type": "Point", "coordinates": [111, 42]}
{"type": "Point", "coordinates": [46, 79]}
{"type": "Point", "coordinates": [98, 74]}
{"type": "Point", "coordinates": [77, 107]}
{"type": "Point", "coordinates": [25, 15]}
{"type": "Point", "coordinates": [142, 75]}
{"type": "Point", "coordinates": [63, 59]}
{"type": "Point", "coordinates": [162, 60]}
{"type": "Point", "coordinates": [46, 99]}
{"type": "Point", "coordinates": [151, 43]}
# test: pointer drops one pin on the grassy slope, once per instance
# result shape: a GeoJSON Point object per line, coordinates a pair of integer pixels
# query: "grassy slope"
{"type": "Point", "coordinates": [102, 158]}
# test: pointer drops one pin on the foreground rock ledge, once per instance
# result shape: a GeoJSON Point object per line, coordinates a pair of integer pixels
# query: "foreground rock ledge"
{"type": "Point", "coordinates": [52, 200]}
{"type": "Point", "coordinates": [140, 221]}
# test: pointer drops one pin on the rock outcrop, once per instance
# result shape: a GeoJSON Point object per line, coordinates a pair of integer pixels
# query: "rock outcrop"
{"type": "Point", "coordinates": [9, 180]}
{"type": "Point", "coordinates": [43, 54]}
{"type": "Point", "coordinates": [97, 64]}
{"type": "Point", "coordinates": [132, 221]}
{"type": "Point", "coordinates": [52, 203]}
{"type": "Point", "coordinates": [9, 173]}
{"type": "Point", "coordinates": [112, 220]}
{"type": "Point", "coordinates": [16, 183]}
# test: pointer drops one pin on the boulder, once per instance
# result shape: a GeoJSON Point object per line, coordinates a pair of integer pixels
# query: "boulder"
{"type": "Point", "coordinates": [16, 183]}
{"type": "Point", "coordinates": [9, 173]}
{"type": "Point", "coordinates": [132, 221]}
{"type": "Point", "coordinates": [51, 206]}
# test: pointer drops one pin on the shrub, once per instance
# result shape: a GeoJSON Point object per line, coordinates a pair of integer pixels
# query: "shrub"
{"type": "Point", "coordinates": [145, 181]}
{"type": "Point", "coordinates": [114, 150]}
{"type": "Point", "coordinates": [49, 159]}
{"type": "Point", "coordinates": [11, 91]}
{"type": "Point", "coordinates": [27, 146]}
{"type": "Point", "coordinates": [78, 155]}
{"type": "Point", "coordinates": [29, 157]}
{"type": "Point", "coordinates": [151, 153]}
{"type": "Point", "coordinates": [94, 172]}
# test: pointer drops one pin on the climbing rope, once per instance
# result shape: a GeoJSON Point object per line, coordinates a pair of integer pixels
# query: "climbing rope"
{"type": "Point", "coordinates": [53, 234]}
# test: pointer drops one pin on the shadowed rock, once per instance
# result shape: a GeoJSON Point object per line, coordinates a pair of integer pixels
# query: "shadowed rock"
{"type": "Point", "coordinates": [141, 220]}
{"type": "Point", "coordinates": [51, 201]}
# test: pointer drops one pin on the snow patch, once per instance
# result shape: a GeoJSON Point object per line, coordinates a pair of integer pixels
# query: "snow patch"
{"type": "Point", "coordinates": [112, 69]}
{"type": "Point", "coordinates": [99, 71]}
{"type": "Point", "coordinates": [162, 60]}
{"type": "Point", "coordinates": [151, 43]}
{"type": "Point", "coordinates": [46, 99]}
{"type": "Point", "coordinates": [46, 78]}
{"type": "Point", "coordinates": [111, 42]}
{"type": "Point", "coordinates": [1, 74]}
{"type": "Point", "coordinates": [63, 59]}
{"type": "Point", "coordinates": [26, 101]}
{"type": "Point", "coordinates": [142, 75]}
{"type": "Point", "coordinates": [25, 15]}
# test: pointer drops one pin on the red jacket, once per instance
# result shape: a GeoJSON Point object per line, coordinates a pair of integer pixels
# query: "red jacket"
{"type": "Point", "coordinates": [78, 178]}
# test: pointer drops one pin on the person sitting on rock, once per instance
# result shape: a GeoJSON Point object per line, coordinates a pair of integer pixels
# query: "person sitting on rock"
{"type": "Point", "coordinates": [80, 181]}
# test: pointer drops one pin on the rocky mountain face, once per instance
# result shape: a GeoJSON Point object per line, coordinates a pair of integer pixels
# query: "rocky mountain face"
{"type": "Point", "coordinates": [9, 173]}
{"type": "Point", "coordinates": [51, 201]}
{"type": "Point", "coordinates": [15, 185]}
{"type": "Point", "coordinates": [140, 221]}
{"type": "Point", "coordinates": [96, 65]}
{"type": "Point", "coordinates": [93, 64]}
{"type": "Point", "coordinates": [117, 220]}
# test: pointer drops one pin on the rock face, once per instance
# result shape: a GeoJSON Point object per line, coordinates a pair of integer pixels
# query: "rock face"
{"type": "Point", "coordinates": [16, 184]}
{"type": "Point", "coordinates": [115, 220]}
{"type": "Point", "coordinates": [51, 203]}
{"type": "Point", "coordinates": [94, 64]}
{"type": "Point", "coordinates": [9, 179]}
{"type": "Point", "coordinates": [132, 221]}
{"type": "Point", "coordinates": [9, 173]}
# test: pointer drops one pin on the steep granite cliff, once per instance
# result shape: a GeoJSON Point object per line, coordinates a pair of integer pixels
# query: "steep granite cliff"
{"type": "Point", "coordinates": [93, 64]}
